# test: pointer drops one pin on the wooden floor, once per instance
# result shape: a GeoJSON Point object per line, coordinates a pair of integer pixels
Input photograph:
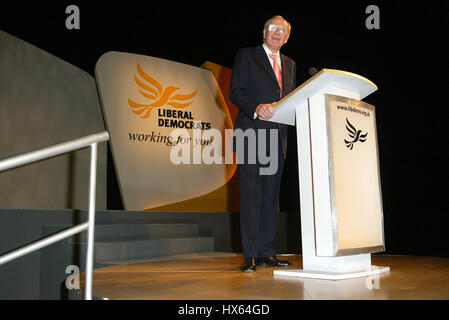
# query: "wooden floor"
{"type": "Point", "coordinates": [217, 277]}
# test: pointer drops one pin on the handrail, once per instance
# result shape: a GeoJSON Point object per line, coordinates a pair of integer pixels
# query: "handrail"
{"type": "Point", "coordinates": [52, 151]}
{"type": "Point", "coordinates": [43, 243]}
{"type": "Point", "coordinates": [49, 152]}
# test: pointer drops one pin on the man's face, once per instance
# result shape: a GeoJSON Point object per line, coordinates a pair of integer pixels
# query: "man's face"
{"type": "Point", "coordinates": [275, 39]}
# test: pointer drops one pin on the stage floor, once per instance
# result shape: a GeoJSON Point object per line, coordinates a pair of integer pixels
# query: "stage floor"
{"type": "Point", "coordinates": [216, 276]}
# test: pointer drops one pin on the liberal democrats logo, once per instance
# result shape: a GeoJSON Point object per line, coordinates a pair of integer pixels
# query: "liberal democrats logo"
{"type": "Point", "coordinates": [354, 134]}
{"type": "Point", "coordinates": [152, 90]}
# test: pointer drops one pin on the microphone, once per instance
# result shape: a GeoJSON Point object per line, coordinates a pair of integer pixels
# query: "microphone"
{"type": "Point", "coordinates": [312, 71]}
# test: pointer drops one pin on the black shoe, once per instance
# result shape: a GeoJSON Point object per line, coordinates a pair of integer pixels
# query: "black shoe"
{"type": "Point", "coordinates": [249, 265]}
{"type": "Point", "coordinates": [272, 262]}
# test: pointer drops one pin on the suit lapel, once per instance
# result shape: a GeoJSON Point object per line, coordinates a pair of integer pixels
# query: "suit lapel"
{"type": "Point", "coordinates": [265, 63]}
{"type": "Point", "coordinates": [285, 71]}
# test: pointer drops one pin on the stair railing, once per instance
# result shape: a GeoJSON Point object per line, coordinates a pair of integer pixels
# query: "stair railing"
{"type": "Point", "coordinates": [49, 152]}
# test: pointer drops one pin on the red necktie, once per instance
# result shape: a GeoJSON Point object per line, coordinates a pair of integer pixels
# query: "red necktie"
{"type": "Point", "coordinates": [277, 70]}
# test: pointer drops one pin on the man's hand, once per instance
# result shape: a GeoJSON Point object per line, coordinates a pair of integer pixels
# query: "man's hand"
{"type": "Point", "coordinates": [265, 110]}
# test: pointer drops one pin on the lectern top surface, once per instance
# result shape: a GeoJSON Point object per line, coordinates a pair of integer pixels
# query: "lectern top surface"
{"type": "Point", "coordinates": [324, 81]}
{"type": "Point", "coordinates": [346, 73]}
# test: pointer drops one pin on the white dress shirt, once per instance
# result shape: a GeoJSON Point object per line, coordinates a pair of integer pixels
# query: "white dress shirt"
{"type": "Point", "coordinates": [278, 56]}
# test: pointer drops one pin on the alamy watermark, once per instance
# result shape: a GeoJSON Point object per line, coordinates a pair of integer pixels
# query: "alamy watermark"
{"type": "Point", "coordinates": [373, 281]}
{"type": "Point", "coordinates": [206, 147]}
{"type": "Point", "coordinates": [73, 20]}
{"type": "Point", "coordinates": [73, 280]}
{"type": "Point", "coordinates": [373, 20]}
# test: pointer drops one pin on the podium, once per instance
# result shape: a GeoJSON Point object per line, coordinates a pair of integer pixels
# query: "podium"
{"type": "Point", "coordinates": [339, 181]}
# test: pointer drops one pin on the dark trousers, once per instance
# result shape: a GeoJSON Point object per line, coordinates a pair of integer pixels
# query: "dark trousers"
{"type": "Point", "coordinates": [259, 206]}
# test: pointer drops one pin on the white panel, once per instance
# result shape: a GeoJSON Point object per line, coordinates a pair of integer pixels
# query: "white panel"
{"type": "Point", "coordinates": [356, 184]}
{"type": "Point", "coordinates": [305, 181]}
{"type": "Point", "coordinates": [323, 219]}
{"type": "Point", "coordinates": [143, 98]}
{"type": "Point", "coordinates": [326, 238]}
{"type": "Point", "coordinates": [311, 261]}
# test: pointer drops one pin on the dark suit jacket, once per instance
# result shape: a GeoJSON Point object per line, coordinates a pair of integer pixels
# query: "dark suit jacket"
{"type": "Point", "coordinates": [253, 82]}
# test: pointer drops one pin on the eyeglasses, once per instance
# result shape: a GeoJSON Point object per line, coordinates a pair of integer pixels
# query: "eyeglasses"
{"type": "Point", "coordinates": [273, 28]}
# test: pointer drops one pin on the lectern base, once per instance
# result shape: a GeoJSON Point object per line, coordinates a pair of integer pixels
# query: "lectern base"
{"type": "Point", "coordinates": [375, 270]}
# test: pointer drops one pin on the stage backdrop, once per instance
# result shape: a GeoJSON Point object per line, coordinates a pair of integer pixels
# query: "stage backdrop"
{"type": "Point", "coordinates": [167, 123]}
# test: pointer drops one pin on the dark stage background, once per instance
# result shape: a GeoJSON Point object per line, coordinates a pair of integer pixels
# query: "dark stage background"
{"type": "Point", "coordinates": [407, 58]}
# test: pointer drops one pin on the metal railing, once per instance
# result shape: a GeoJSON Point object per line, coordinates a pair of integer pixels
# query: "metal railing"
{"type": "Point", "coordinates": [49, 152]}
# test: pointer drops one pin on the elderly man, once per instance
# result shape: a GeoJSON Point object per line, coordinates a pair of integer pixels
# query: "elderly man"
{"type": "Point", "coordinates": [260, 77]}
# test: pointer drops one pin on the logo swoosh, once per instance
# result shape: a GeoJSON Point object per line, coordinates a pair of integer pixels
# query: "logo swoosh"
{"type": "Point", "coordinates": [354, 134]}
{"type": "Point", "coordinates": [153, 90]}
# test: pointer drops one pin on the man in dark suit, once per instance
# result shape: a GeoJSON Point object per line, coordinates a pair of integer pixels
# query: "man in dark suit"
{"type": "Point", "coordinates": [260, 77]}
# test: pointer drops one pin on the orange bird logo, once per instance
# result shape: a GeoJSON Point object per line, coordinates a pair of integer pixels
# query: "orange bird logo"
{"type": "Point", "coordinates": [152, 89]}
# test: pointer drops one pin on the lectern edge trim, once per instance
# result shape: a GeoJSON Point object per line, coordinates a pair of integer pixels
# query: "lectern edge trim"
{"type": "Point", "coordinates": [322, 71]}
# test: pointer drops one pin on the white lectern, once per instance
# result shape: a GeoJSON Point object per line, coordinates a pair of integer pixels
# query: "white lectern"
{"type": "Point", "coordinates": [340, 195]}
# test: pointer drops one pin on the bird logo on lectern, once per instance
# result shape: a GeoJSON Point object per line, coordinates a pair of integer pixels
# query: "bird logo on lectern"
{"type": "Point", "coordinates": [156, 93]}
{"type": "Point", "coordinates": [355, 134]}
